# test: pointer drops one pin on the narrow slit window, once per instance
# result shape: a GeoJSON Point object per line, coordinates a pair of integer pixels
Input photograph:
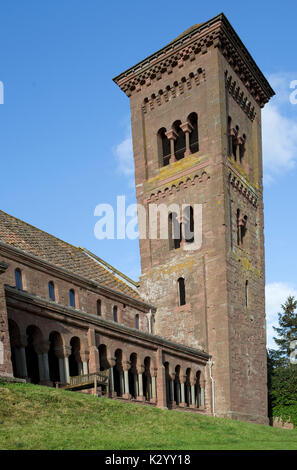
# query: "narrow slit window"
{"type": "Point", "coordinates": [115, 313]}
{"type": "Point", "coordinates": [72, 298]}
{"type": "Point", "coordinates": [137, 322]}
{"type": "Point", "coordinates": [51, 291]}
{"type": "Point", "coordinates": [99, 308]}
{"type": "Point", "coordinates": [246, 293]}
{"type": "Point", "coordinates": [181, 291]}
{"type": "Point", "coordinates": [18, 279]}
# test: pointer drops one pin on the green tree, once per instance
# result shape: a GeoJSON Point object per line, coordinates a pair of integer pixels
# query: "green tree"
{"type": "Point", "coordinates": [286, 332]}
{"type": "Point", "coordinates": [282, 373]}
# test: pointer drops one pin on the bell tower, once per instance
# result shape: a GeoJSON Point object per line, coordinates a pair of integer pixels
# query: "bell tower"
{"type": "Point", "coordinates": [196, 127]}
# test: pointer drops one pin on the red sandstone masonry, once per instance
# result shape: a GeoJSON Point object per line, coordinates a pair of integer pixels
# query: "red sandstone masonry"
{"type": "Point", "coordinates": [203, 71]}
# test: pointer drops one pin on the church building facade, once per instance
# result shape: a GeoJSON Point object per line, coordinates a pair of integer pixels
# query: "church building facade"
{"type": "Point", "coordinates": [192, 334]}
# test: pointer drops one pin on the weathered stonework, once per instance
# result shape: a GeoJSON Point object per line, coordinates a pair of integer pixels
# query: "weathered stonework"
{"type": "Point", "coordinates": [224, 313]}
{"type": "Point", "coordinates": [198, 344]}
{"type": "Point", "coordinates": [47, 341]}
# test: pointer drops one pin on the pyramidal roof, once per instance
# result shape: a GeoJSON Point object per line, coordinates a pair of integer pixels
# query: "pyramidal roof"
{"type": "Point", "coordinates": [187, 31]}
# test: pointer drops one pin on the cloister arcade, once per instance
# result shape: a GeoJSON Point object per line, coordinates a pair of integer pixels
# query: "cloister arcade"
{"type": "Point", "coordinates": [51, 357]}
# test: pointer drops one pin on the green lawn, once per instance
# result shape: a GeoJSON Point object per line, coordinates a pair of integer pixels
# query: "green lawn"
{"type": "Point", "coordinates": [35, 417]}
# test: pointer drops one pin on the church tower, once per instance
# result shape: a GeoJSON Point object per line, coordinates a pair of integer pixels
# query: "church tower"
{"type": "Point", "coordinates": [196, 126]}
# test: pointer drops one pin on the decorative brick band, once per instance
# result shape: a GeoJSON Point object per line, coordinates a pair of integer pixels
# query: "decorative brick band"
{"type": "Point", "coordinates": [238, 185]}
{"type": "Point", "coordinates": [182, 185]}
{"type": "Point", "coordinates": [239, 96]}
{"type": "Point", "coordinates": [215, 33]}
{"type": "Point", "coordinates": [178, 88]}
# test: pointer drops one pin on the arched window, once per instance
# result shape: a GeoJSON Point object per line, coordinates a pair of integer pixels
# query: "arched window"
{"type": "Point", "coordinates": [163, 147]}
{"type": "Point", "coordinates": [188, 217]}
{"type": "Point", "coordinates": [235, 134]}
{"type": "Point", "coordinates": [115, 313]}
{"type": "Point", "coordinates": [152, 326]}
{"type": "Point", "coordinates": [72, 298]}
{"type": "Point", "coordinates": [18, 279]}
{"type": "Point", "coordinates": [174, 231]}
{"type": "Point", "coordinates": [230, 136]}
{"type": "Point", "coordinates": [242, 147]}
{"type": "Point", "coordinates": [51, 291]}
{"type": "Point", "coordinates": [241, 227]}
{"type": "Point", "coordinates": [99, 308]}
{"type": "Point", "coordinates": [137, 322]}
{"type": "Point", "coordinates": [181, 291]}
{"type": "Point", "coordinates": [180, 141]}
{"type": "Point", "coordinates": [194, 140]}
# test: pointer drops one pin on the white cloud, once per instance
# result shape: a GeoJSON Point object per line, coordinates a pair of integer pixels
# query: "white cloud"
{"type": "Point", "coordinates": [276, 295]}
{"type": "Point", "coordinates": [279, 130]}
{"type": "Point", "coordinates": [279, 142]}
{"type": "Point", "coordinates": [125, 161]}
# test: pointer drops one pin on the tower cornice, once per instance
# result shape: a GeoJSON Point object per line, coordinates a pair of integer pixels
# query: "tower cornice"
{"type": "Point", "coordinates": [215, 33]}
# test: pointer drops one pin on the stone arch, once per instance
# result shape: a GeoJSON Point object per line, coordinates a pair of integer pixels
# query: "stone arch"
{"type": "Point", "coordinates": [118, 373]}
{"type": "Point", "coordinates": [177, 385]}
{"type": "Point", "coordinates": [103, 357]}
{"type": "Point", "coordinates": [75, 363]}
{"type": "Point", "coordinates": [163, 147]}
{"type": "Point", "coordinates": [194, 137]}
{"type": "Point", "coordinates": [188, 384]}
{"type": "Point", "coordinates": [147, 379]}
{"type": "Point", "coordinates": [15, 344]}
{"type": "Point", "coordinates": [180, 141]}
{"type": "Point", "coordinates": [133, 376]}
{"type": "Point", "coordinates": [34, 342]}
{"type": "Point", "coordinates": [55, 357]}
{"type": "Point", "coordinates": [169, 377]}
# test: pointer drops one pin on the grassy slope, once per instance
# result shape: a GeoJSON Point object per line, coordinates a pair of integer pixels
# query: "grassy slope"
{"type": "Point", "coordinates": [35, 417]}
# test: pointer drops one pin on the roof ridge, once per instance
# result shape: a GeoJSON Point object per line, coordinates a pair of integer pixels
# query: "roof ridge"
{"type": "Point", "coordinates": [114, 271]}
{"type": "Point", "coordinates": [38, 229]}
{"type": "Point", "coordinates": [33, 237]}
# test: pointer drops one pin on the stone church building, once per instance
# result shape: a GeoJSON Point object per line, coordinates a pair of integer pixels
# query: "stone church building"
{"type": "Point", "coordinates": [191, 335]}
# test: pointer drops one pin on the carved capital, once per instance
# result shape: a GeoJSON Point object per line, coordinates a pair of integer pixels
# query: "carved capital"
{"type": "Point", "coordinates": [186, 127]}
{"type": "Point", "coordinates": [171, 134]}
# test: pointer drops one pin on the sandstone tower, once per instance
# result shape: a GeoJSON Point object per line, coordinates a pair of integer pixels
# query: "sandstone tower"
{"type": "Point", "coordinates": [196, 125]}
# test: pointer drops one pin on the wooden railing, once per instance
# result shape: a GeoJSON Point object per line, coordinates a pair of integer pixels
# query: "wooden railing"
{"type": "Point", "coordinates": [96, 379]}
{"type": "Point", "coordinates": [102, 378]}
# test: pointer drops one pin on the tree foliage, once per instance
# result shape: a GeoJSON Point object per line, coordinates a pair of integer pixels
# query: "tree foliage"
{"type": "Point", "coordinates": [282, 372]}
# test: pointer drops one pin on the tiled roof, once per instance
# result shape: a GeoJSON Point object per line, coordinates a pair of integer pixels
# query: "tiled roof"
{"type": "Point", "coordinates": [30, 239]}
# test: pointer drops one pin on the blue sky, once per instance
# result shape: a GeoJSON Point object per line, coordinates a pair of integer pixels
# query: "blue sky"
{"type": "Point", "coordinates": [65, 126]}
